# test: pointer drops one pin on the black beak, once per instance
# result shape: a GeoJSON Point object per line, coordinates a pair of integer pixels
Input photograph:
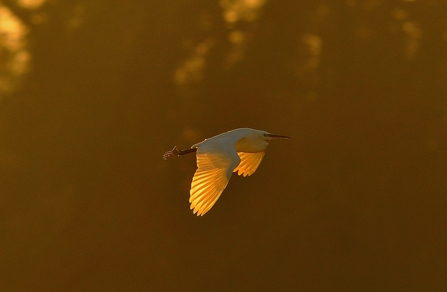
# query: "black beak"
{"type": "Point", "coordinates": [273, 136]}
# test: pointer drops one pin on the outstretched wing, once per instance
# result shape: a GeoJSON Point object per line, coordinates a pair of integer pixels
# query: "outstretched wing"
{"type": "Point", "coordinates": [249, 162]}
{"type": "Point", "coordinates": [214, 169]}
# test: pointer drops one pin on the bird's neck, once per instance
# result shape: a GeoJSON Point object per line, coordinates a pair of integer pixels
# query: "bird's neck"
{"type": "Point", "coordinates": [247, 145]}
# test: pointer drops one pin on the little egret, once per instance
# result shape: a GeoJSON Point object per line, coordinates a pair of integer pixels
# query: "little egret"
{"type": "Point", "coordinates": [240, 150]}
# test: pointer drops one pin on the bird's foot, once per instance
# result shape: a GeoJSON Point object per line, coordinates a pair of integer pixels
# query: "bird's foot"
{"type": "Point", "coordinates": [172, 153]}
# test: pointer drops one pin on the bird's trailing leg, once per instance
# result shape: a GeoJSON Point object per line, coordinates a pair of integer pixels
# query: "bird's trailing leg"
{"type": "Point", "coordinates": [177, 152]}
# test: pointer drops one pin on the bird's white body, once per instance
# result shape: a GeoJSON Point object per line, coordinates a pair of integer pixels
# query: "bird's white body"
{"type": "Point", "coordinates": [240, 150]}
{"type": "Point", "coordinates": [240, 140]}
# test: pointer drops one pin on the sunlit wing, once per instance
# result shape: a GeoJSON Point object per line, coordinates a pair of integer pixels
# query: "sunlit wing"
{"type": "Point", "coordinates": [211, 177]}
{"type": "Point", "coordinates": [249, 162]}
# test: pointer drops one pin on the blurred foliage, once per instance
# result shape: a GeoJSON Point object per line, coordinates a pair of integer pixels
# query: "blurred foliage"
{"type": "Point", "coordinates": [93, 92]}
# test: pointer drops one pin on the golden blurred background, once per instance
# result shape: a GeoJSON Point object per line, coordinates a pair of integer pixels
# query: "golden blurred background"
{"type": "Point", "coordinates": [92, 93]}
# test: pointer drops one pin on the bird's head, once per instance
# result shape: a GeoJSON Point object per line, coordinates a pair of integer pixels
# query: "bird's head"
{"type": "Point", "coordinates": [255, 140]}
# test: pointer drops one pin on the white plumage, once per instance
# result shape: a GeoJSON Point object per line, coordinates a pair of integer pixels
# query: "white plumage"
{"type": "Point", "coordinates": [240, 150]}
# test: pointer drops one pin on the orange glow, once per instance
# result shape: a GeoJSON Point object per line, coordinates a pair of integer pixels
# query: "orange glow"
{"type": "Point", "coordinates": [11, 29]}
{"type": "Point", "coordinates": [191, 70]}
{"type": "Point", "coordinates": [245, 10]}
{"type": "Point", "coordinates": [236, 37]}
{"type": "Point", "coordinates": [414, 33]}
{"type": "Point", "coordinates": [31, 4]}
{"type": "Point", "coordinates": [16, 58]}
{"type": "Point", "coordinates": [314, 46]}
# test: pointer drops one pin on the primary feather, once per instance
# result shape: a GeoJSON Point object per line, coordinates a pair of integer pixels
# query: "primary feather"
{"type": "Point", "coordinates": [240, 151]}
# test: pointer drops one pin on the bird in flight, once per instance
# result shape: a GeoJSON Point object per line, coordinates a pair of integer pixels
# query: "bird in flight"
{"type": "Point", "coordinates": [240, 150]}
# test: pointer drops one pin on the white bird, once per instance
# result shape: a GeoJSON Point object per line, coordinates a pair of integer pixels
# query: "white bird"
{"type": "Point", "coordinates": [240, 150]}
